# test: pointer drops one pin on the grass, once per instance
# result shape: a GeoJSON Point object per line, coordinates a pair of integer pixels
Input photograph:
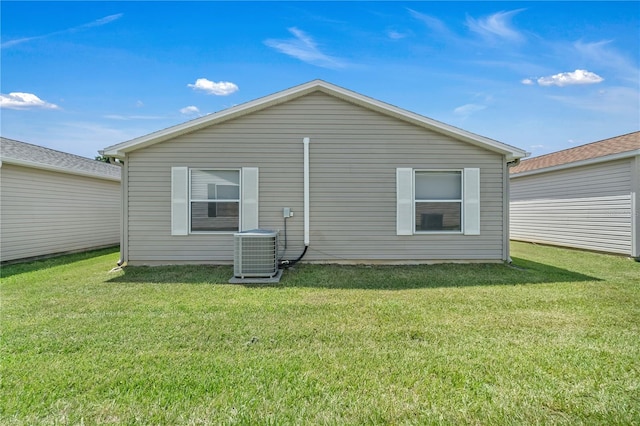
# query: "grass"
{"type": "Point", "coordinates": [554, 339]}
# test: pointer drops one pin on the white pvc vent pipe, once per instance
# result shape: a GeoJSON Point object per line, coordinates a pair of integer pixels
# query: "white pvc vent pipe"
{"type": "Point", "coordinates": [305, 141]}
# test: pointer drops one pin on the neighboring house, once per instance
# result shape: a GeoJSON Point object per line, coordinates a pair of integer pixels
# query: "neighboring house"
{"type": "Point", "coordinates": [365, 182]}
{"type": "Point", "coordinates": [52, 202]}
{"type": "Point", "coordinates": [585, 197]}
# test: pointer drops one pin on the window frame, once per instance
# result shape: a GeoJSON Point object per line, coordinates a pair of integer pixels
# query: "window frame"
{"type": "Point", "coordinates": [191, 200]}
{"type": "Point", "coordinates": [460, 201]}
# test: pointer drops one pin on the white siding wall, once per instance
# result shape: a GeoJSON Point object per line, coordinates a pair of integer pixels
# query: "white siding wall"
{"type": "Point", "coordinates": [587, 207]}
{"type": "Point", "coordinates": [354, 154]}
{"type": "Point", "coordinates": [45, 212]}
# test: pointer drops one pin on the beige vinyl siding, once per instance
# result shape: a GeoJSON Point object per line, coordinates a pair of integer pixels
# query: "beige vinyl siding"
{"type": "Point", "coordinates": [46, 212]}
{"type": "Point", "coordinates": [588, 207]}
{"type": "Point", "coordinates": [354, 153]}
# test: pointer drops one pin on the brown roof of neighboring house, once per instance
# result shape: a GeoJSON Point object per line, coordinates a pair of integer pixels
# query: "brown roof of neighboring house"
{"type": "Point", "coordinates": [615, 145]}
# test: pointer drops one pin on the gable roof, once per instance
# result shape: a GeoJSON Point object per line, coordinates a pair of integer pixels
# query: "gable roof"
{"type": "Point", "coordinates": [605, 150]}
{"type": "Point", "coordinates": [35, 156]}
{"type": "Point", "coordinates": [121, 149]}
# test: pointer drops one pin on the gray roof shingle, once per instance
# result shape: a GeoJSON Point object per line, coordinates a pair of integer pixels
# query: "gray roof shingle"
{"type": "Point", "coordinates": [26, 153]}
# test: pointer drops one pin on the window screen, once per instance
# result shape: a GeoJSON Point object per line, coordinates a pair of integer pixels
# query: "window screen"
{"type": "Point", "coordinates": [215, 200]}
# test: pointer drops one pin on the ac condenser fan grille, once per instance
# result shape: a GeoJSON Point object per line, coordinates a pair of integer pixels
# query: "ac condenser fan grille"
{"type": "Point", "coordinates": [256, 254]}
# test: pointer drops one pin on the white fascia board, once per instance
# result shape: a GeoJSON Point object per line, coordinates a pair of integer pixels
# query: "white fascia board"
{"type": "Point", "coordinates": [48, 167]}
{"type": "Point", "coordinates": [120, 150]}
{"type": "Point", "coordinates": [588, 162]}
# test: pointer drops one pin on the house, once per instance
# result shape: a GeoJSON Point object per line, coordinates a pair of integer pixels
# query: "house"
{"type": "Point", "coordinates": [352, 179]}
{"type": "Point", "coordinates": [53, 202]}
{"type": "Point", "coordinates": [585, 197]}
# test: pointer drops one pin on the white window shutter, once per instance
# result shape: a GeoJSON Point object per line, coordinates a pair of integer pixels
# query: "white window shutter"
{"type": "Point", "coordinates": [404, 201]}
{"type": "Point", "coordinates": [471, 201]}
{"type": "Point", "coordinates": [179, 201]}
{"type": "Point", "coordinates": [249, 199]}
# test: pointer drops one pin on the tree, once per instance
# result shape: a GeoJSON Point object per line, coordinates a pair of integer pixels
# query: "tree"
{"type": "Point", "coordinates": [106, 159]}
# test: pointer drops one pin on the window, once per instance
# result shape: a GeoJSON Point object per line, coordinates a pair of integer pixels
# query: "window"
{"type": "Point", "coordinates": [438, 201]}
{"type": "Point", "coordinates": [212, 200]}
{"type": "Point", "coordinates": [220, 192]}
{"type": "Point", "coordinates": [215, 200]}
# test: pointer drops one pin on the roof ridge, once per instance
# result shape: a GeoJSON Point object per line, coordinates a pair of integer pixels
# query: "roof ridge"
{"type": "Point", "coordinates": [580, 146]}
{"type": "Point", "coordinates": [31, 155]}
{"type": "Point", "coordinates": [48, 149]}
{"type": "Point", "coordinates": [618, 146]}
{"type": "Point", "coordinates": [121, 149]}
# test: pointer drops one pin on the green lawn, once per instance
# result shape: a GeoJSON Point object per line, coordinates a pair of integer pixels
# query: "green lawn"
{"type": "Point", "coordinates": [554, 339]}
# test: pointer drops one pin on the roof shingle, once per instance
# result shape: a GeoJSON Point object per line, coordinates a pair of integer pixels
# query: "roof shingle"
{"type": "Point", "coordinates": [615, 145]}
{"type": "Point", "coordinates": [23, 152]}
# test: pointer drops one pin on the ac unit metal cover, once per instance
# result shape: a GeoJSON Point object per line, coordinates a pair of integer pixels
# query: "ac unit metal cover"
{"type": "Point", "coordinates": [255, 254]}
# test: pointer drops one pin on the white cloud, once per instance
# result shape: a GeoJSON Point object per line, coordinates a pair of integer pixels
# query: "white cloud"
{"type": "Point", "coordinates": [223, 88]}
{"type": "Point", "coordinates": [432, 23]}
{"type": "Point", "coordinates": [603, 55]}
{"type": "Point", "coordinates": [304, 48]}
{"type": "Point", "coordinates": [96, 23]}
{"type": "Point", "coordinates": [189, 110]}
{"type": "Point", "coordinates": [133, 117]}
{"type": "Point", "coordinates": [468, 109]}
{"type": "Point", "coordinates": [527, 81]}
{"type": "Point", "coordinates": [570, 78]}
{"type": "Point", "coordinates": [618, 101]}
{"type": "Point", "coordinates": [395, 35]}
{"type": "Point", "coordinates": [100, 22]}
{"type": "Point", "coordinates": [20, 100]}
{"type": "Point", "coordinates": [497, 25]}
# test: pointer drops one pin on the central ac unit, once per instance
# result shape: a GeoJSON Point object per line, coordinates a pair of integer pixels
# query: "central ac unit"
{"type": "Point", "coordinates": [256, 254]}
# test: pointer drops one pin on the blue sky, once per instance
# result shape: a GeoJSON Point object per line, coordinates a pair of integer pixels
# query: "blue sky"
{"type": "Point", "coordinates": [543, 76]}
